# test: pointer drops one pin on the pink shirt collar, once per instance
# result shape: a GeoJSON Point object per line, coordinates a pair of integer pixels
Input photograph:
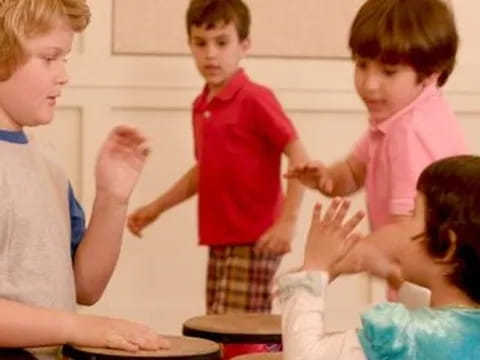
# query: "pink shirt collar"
{"type": "Point", "coordinates": [384, 126]}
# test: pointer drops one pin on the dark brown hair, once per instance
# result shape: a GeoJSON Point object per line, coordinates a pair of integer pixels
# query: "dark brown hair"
{"type": "Point", "coordinates": [210, 13]}
{"type": "Point", "coordinates": [420, 33]}
{"type": "Point", "coordinates": [452, 194]}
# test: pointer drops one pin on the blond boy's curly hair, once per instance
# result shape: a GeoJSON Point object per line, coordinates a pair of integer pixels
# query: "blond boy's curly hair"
{"type": "Point", "coordinates": [24, 19]}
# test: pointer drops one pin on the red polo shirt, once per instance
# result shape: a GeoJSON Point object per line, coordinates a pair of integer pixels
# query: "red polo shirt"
{"type": "Point", "coordinates": [239, 139]}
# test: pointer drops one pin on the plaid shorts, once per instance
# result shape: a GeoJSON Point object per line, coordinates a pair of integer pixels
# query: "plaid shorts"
{"type": "Point", "coordinates": [239, 280]}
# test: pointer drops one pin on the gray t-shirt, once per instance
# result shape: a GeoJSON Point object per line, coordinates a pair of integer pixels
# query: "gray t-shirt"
{"type": "Point", "coordinates": [37, 229]}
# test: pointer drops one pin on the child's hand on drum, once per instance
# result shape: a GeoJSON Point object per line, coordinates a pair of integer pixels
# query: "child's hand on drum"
{"type": "Point", "coordinates": [313, 174]}
{"type": "Point", "coordinates": [108, 333]}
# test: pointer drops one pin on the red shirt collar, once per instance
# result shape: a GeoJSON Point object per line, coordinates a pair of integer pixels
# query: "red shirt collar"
{"type": "Point", "coordinates": [236, 82]}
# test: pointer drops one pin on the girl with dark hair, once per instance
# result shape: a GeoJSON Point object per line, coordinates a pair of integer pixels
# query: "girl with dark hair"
{"type": "Point", "coordinates": [438, 248]}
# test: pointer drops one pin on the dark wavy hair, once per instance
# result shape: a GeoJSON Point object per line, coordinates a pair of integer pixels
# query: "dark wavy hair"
{"type": "Point", "coordinates": [452, 194]}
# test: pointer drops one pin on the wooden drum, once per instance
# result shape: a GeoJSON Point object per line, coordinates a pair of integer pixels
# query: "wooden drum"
{"type": "Point", "coordinates": [260, 356]}
{"type": "Point", "coordinates": [182, 348]}
{"type": "Point", "coordinates": [238, 333]}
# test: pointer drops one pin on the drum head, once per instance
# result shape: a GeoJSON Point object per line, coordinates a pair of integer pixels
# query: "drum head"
{"type": "Point", "coordinates": [236, 328]}
{"type": "Point", "coordinates": [182, 348]}
{"type": "Point", "coordinates": [259, 356]}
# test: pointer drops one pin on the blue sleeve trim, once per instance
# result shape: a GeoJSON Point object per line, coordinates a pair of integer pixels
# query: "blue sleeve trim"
{"type": "Point", "coordinates": [77, 220]}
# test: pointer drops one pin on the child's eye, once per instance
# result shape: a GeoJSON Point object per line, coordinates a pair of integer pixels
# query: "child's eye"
{"type": "Point", "coordinates": [199, 44]}
{"type": "Point", "coordinates": [389, 72]}
{"type": "Point", "coordinates": [361, 64]}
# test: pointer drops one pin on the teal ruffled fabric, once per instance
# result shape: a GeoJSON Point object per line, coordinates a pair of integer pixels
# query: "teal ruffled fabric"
{"type": "Point", "coordinates": [392, 332]}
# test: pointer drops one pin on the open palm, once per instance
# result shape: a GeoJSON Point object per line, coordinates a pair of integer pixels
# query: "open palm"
{"type": "Point", "coordinates": [120, 162]}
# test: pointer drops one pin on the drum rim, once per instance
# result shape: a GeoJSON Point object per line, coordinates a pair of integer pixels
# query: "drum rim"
{"type": "Point", "coordinates": [15, 354]}
{"type": "Point", "coordinates": [78, 354]}
{"type": "Point", "coordinates": [228, 338]}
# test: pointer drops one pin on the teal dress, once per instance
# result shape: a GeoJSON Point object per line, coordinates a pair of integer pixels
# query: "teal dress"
{"type": "Point", "coordinates": [390, 331]}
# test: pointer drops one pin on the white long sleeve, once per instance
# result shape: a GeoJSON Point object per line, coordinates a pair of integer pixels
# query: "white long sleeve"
{"type": "Point", "coordinates": [302, 296]}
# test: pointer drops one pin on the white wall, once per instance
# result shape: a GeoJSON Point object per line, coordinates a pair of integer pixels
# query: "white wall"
{"type": "Point", "coordinates": [160, 278]}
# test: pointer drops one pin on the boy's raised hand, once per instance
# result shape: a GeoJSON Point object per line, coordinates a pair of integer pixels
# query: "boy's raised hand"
{"type": "Point", "coordinates": [330, 237]}
{"type": "Point", "coordinates": [313, 174]}
{"type": "Point", "coordinates": [120, 162]}
{"type": "Point", "coordinates": [108, 333]}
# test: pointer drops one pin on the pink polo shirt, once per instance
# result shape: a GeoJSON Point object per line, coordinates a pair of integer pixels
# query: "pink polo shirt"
{"type": "Point", "coordinates": [240, 136]}
{"type": "Point", "coordinates": [399, 148]}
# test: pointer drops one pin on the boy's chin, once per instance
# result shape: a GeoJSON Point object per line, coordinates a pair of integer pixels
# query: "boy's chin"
{"type": "Point", "coordinates": [216, 84]}
{"type": "Point", "coordinates": [215, 80]}
{"type": "Point", "coordinates": [43, 120]}
{"type": "Point", "coordinates": [377, 118]}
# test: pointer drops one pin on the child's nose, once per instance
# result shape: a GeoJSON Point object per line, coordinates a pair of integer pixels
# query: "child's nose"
{"type": "Point", "coordinates": [371, 82]}
{"type": "Point", "coordinates": [62, 76]}
{"type": "Point", "coordinates": [211, 51]}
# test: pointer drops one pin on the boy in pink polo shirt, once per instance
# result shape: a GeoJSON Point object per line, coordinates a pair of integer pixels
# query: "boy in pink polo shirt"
{"type": "Point", "coordinates": [240, 134]}
{"type": "Point", "coordinates": [403, 51]}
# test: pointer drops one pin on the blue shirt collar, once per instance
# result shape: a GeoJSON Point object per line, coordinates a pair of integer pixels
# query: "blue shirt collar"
{"type": "Point", "coordinates": [17, 137]}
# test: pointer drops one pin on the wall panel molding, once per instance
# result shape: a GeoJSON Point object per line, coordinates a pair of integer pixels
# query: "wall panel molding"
{"type": "Point", "coordinates": [280, 28]}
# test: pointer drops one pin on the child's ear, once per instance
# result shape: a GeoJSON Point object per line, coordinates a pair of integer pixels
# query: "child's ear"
{"type": "Point", "coordinates": [246, 43]}
{"type": "Point", "coordinates": [431, 79]}
{"type": "Point", "coordinates": [452, 248]}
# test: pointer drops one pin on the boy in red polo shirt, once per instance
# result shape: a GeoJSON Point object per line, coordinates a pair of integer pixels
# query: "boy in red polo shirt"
{"type": "Point", "coordinates": [240, 135]}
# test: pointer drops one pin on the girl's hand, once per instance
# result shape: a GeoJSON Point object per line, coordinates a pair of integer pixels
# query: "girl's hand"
{"type": "Point", "coordinates": [330, 237]}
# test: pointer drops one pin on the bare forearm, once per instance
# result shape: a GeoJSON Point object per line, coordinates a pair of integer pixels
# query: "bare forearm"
{"type": "Point", "coordinates": [27, 326]}
{"type": "Point", "coordinates": [98, 252]}
{"type": "Point", "coordinates": [293, 200]}
{"type": "Point", "coordinates": [343, 179]}
{"type": "Point", "coordinates": [296, 155]}
{"type": "Point", "coordinates": [182, 190]}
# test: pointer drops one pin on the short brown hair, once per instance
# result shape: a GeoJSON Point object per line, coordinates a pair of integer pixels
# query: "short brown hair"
{"type": "Point", "coordinates": [23, 19]}
{"type": "Point", "coordinates": [210, 13]}
{"type": "Point", "coordinates": [420, 33]}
